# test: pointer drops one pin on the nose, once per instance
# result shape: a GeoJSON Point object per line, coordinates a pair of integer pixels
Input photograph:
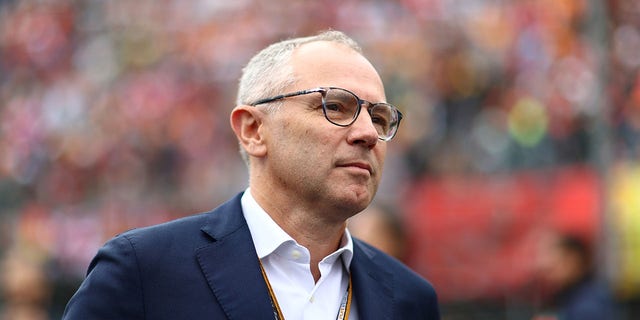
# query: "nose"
{"type": "Point", "coordinates": [362, 131]}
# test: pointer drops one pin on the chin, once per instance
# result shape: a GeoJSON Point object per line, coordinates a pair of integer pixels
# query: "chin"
{"type": "Point", "coordinates": [352, 198]}
{"type": "Point", "coordinates": [356, 203]}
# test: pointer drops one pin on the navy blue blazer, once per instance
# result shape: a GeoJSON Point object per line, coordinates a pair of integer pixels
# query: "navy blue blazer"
{"type": "Point", "coordinates": [205, 267]}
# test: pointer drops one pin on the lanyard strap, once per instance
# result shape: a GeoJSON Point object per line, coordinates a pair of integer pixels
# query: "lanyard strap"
{"type": "Point", "coordinates": [343, 312]}
{"type": "Point", "coordinates": [345, 306]}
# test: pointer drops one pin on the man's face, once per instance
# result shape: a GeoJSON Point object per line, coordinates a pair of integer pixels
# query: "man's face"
{"type": "Point", "coordinates": [324, 165]}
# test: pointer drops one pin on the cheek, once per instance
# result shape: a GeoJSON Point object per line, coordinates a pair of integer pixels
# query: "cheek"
{"type": "Point", "coordinates": [316, 150]}
{"type": "Point", "coordinates": [299, 143]}
{"type": "Point", "coordinates": [380, 153]}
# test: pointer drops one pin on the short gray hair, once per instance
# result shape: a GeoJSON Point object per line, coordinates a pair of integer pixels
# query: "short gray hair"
{"type": "Point", "coordinates": [270, 72]}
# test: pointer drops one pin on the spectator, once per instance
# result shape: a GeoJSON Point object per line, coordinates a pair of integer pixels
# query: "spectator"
{"type": "Point", "coordinates": [382, 227]}
{"type": "Point", "coordinates": [567, 273]}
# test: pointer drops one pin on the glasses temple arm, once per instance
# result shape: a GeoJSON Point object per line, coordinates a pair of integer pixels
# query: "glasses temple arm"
{"type": "Point", "coordinates": [286, 95]}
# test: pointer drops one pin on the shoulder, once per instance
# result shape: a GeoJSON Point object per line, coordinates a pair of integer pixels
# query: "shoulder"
{"type": "Point", "coordinates": [591, 300]}
{"type": "Point", "coordinates": [150, 248]}
{"type": "Point", "coordinates": [405, 279]}
{"type": "Point", "coordinates": [394, 285]}
{"type": "Point", "coordinates": [194, 229]}
{"type": "Point", "coordinates": [168, 231]}
{"type": "Point", "coordinates": [128, 265]}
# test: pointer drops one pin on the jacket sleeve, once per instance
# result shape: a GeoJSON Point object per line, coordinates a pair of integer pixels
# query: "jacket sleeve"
{"type": "Point", "coordinates": [112, 288]}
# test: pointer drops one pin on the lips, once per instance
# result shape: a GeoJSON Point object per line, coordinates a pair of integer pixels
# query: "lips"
{"type": "Point", "coordinates": [357, 165]}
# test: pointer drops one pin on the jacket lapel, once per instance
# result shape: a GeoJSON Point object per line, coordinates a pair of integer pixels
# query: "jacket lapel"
{"type": "Point", "coordinates": [231, 265]}
{"type": "Point", "coordinates": [372, 285]}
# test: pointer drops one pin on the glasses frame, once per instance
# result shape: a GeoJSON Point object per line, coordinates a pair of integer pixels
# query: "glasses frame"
{"type": "Point", "coordinates": [323, 91]}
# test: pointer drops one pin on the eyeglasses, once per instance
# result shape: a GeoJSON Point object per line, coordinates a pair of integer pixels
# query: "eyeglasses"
{"type": "Point", "coordinates": [342, 107]}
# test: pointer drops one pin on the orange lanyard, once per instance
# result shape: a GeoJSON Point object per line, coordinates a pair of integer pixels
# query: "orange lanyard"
{"type": "Point", "coordinates": [343, 312]}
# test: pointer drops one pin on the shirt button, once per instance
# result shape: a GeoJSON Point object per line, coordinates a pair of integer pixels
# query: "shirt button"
{"type": "Point", "coordinates": [296, 254]}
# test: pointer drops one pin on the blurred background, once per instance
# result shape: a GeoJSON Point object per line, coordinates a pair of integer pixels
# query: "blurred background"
{"type": "Point", "coordinates": [522, 119]}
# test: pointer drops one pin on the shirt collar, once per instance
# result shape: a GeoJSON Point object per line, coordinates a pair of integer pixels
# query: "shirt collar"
{"type": "Point", "coordinates": [268, 236]}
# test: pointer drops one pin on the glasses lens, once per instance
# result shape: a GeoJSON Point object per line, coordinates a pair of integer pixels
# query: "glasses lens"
{"type": "Point", "coordinates": [340, 106]}
{"type": "Point", "coordinates": [385, 120]}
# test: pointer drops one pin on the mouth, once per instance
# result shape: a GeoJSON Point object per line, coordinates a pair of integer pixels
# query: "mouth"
{"type": "Point", "coordinates": [357, 165]}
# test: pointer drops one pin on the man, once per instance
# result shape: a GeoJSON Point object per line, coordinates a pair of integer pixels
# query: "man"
{"type": "Point", "coordinates": [315, 148]}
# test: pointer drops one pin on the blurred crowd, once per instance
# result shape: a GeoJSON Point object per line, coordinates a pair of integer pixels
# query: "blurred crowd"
{"type": "Point", "coordinates": [114, 114]}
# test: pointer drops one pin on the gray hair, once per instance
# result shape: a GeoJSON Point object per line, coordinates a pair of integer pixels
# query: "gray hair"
{"type": "Point", "coordinates": [270, 72]}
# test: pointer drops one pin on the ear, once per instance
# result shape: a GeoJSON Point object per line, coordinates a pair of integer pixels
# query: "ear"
{"type": "Point", "coordinates": [246, 122]}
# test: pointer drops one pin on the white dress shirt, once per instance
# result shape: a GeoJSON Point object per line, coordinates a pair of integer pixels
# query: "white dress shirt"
{"type": "Point", "coordinates": [287, 265]}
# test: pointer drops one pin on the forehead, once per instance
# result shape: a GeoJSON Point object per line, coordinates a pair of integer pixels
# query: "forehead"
{"type": "Point", "coordinates": [324, 64]}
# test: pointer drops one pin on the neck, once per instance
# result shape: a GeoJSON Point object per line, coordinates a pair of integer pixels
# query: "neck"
{"type": "Point", "coordinates": [310, 228]}
{"type": "Point", "coordinates": [319, 244]}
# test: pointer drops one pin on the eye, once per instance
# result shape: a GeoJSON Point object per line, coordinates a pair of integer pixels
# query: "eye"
{"type": "Point", "coordinates": [380, 120]}
{"type": "Point", "coordinates": [335, 106]}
